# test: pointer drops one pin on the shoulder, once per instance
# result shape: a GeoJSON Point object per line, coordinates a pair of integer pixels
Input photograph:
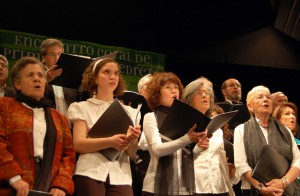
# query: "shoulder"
{"type": "Point", "coordinates": [8, 102]}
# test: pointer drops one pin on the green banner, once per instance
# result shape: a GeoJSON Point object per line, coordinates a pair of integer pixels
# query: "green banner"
{"type": "Point", "coordinates": [134, 64]}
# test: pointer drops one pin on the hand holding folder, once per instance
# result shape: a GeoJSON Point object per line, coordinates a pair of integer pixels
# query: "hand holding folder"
{"type": "Point", "coordinates": [114, 120]}
{"type": "Point", "coordinates": [182, 117]}
{"type": "Point", "coordinates": [270, 165]}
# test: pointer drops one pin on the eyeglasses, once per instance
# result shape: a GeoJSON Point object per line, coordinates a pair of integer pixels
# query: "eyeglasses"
{"type": "Point", "coordinates": [53, 54]}
{"type": "Point", "coordinates": [3, 65]}
{"type": "Point", "coordinates": [234, 85]}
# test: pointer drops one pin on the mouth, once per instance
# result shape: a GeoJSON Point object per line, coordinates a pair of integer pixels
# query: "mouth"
{"type": "Point", "coordinates": [266, 105]}
{"type": "Point", "coordinates": [37, 86]}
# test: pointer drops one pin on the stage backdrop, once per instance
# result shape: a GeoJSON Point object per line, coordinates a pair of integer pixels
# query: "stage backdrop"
{"type": "Point", "coordinates": [134, 64]}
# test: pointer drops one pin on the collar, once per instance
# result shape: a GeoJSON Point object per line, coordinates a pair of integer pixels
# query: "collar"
{"type": "Point", "coordinates": [98, 101]}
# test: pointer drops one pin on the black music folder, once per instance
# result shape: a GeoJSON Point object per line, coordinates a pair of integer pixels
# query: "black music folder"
{"type": "Point", "coordinates": [73, 67]}
{"type": "Point", "coordinates": [242, 116]}
{"type": "Point", "coordinates": [182, 117]}
{"type": "Point", "coordinates": [131, 98]}
{"type": "Point", "coordinates": [270, 165]}
{"type": "Point", "coordinates": [114, 120]}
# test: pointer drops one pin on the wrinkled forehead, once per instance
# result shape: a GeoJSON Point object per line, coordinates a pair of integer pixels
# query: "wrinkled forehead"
{"type": "Point", "coordinates": [261, 92]}
{"type": "Point", "coordinates": [232, 81]}
{"type": "Point", "coordinates": [281, 96]}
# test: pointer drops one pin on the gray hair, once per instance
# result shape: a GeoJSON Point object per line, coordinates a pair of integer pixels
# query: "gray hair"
{"type": "Point", "coordinates": [143, 80]}
{"type": "Point", "coordinates": [190, 90]}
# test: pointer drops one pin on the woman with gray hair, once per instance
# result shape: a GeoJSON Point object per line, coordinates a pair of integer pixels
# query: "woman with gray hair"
{"type": "Point", "coordinates": [251, 137]}
{"type": "Point", "coordinates": [210, 163]}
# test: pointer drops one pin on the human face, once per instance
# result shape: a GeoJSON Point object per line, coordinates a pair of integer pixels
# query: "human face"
{"type": "Point", "coordinates": [168, 92]}
{"type": "Point", "coordinates": [233, 90]}
{"type": "Point", "coordinates": [32, 81]}
{"type": "Point", "coordinates": [108, 78]}
{"type": "Point", "coordinates": [288, 118]}
{"type": "Point", "coordinates": [201, 100]}
{"type": "Point", "coordinates": [3, 73]}
{"type": "Point", "coordinates": [52, 56]}
{"type": "Point", "coordinates": [261, 104]}
{"type": "Point", "coordinates": [279, 99]}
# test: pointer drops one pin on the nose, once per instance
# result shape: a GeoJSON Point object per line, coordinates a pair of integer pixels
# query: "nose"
{"type": "Point", "coordinates": [203, 94]}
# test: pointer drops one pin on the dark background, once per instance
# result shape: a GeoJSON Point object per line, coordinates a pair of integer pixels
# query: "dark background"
{"type": "Point", "coordinates": [187, 32]}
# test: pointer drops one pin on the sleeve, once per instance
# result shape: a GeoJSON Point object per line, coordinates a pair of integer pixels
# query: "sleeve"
{"type": "Point", "coordinates": [240, 158]}
{"type": "Point", "coordinates": [9, 167]}
{"type": "Point", "coordinates": [75, 112]}
{"type": "Point", "coordinates": [65, 157]}
{"type": "Point", "coordinates": [296, 152]}
{"type": "Point", "coordinates": [154, 140]}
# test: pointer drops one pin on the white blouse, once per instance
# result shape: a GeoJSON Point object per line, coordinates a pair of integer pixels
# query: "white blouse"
{"type": "Point", "coordinates": [158, 149]}
{"type": "Point", "coordinates": [207, 165]}
{"type": "Point", "coordinates": [95, 165]}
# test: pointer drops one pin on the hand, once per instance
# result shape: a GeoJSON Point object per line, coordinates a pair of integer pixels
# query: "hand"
{"type": "Point", "coordinates": [232, 170]}
{"type": "Point", "coordinates": [195, 136]}
{"type": "Point", "coordinates": [52, 73]}
{"type": "Point", "coordinates": [276, 183]}
{"type": "Point", "coordinates": [21, 187]}
{"type": "Point", "coordinates": [57, 192]}
{"type": "Point", "coordinates": [119, 141]}
{"type": "Point", "coordinates": [133, 132]}
{"type": "Point", "coordinates": [203, 143]}
{"type": "Point", "coordinates": [271, 191]}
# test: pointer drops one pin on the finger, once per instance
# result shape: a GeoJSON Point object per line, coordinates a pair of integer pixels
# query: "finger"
{"type": "Point", "coordinates": [52, 68]}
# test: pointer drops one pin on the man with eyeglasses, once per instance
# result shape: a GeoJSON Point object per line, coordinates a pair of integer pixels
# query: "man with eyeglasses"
{"type": "Point", "coordinates": [232, 91]}
{"type": "Point", "coordinates": [62, 97]}
{"type": "Point", "coordinates": [5, 90]}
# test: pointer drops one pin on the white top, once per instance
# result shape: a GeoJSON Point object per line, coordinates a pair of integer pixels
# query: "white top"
{"type": "Point", "coordinates": [207, 164]}
{"type": "Point", "coordinates": [158, 149]}
{"type": "Point", "coordinates": [39, 133]}
{"type": "Point", "coordinates": [95, 165]}
{"type": "Point", "coordinates": [60, 102]}
{"type": "Point", "coordinates": [240, 158]}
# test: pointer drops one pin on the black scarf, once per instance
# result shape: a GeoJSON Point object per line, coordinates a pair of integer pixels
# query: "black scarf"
{"type": "Point", "coordinates": [279, 138]}
{"type": "Point", "coordinates": [44, 179]}
{"type": "Point", "coordinates": [166, 176]}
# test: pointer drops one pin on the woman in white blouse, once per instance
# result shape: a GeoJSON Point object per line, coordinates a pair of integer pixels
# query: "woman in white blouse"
{"type": "Point", "coordinates": [165, 174]}
{"type": "Point", "coordinates": [94, 174]}
{"type": "Point", "coordinates": [212, 174]}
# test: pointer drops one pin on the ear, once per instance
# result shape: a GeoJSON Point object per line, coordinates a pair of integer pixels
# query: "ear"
{"type": "Point", "coordinates": [250, 107]}
{"type": "Point", "coordinates": [17, 84]}
{"type": "Point", "coordinates": [223, 92]}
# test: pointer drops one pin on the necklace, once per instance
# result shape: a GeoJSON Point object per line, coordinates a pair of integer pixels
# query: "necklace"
{"type": "Point", "coordinates": [266, 127]}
